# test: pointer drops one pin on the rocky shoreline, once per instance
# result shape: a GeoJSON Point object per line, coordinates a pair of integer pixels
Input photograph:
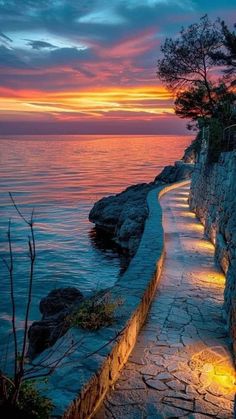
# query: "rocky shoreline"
{"type": "Point", "coordinates": [123, 216]}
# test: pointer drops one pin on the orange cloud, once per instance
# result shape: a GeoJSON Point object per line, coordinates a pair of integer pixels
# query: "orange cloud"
{"type": "Point", "coordinates": [146, 100]}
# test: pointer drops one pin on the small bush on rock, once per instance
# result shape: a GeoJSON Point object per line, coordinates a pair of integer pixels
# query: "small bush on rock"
{"type": "Point", "coordinates": [30, 405]}
{"type": "Point", "coordinates": [95, 313]}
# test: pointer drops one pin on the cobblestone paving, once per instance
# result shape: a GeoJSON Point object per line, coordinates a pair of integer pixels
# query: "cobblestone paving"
{"type": "Point", "coordinates": [181, 365]}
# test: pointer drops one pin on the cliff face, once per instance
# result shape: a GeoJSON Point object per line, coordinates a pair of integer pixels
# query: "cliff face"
{"type": "Point", "coordinates": [213, 198]}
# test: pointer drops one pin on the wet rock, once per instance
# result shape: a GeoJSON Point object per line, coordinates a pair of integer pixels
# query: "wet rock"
{"type": "Point", "coordinates": [59, 299]}
{"type": "Point", "coordinates": [44, 334]}
{"type": "Point", "coordinates": [55, 309]}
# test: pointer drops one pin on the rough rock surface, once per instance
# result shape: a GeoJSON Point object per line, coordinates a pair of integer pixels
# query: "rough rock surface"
{"type": "Point", "coordinates": [192, 151]}
{"type": "Point", "coordinates": [55, 307]}
{"type": "Point", "coordinates": [213, 198]}
{"type": "Point", "coordinates": [59, 299]}
{"type": "Point", "coordinates": [179, 171]}
{"type": "Point", "coordinates": [123, 215]}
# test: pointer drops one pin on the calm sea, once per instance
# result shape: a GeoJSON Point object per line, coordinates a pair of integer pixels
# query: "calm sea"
{"type": "Point", "coordinates": [61, 177]}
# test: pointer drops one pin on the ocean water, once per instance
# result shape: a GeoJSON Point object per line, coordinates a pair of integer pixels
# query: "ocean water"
{"type": "Point", "coordinates": [60, 177]}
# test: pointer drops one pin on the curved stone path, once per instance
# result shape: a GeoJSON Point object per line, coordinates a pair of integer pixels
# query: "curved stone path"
{"type": "Point", "coordinates": [181, 365]}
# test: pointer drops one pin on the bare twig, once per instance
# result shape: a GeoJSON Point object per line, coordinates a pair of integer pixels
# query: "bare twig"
{"type": "Point", "coordinates": [11, 268]}
{"type": "Point", "coordinates": [19, 366]}
{"type": "Point", "coordinates": [18, 210]}
{"type": "Point", "coordinates": [50, 367]}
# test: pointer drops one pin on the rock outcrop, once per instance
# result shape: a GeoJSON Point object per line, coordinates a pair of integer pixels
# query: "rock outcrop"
{"type": "Point", "coordinates": [123, 215]}
{"type": "Point", "coordinates": [171, 174]}
{"type": "Point", "coordinates": [55, 309]}
{"type": "Point", "coordinates": [59, 300]}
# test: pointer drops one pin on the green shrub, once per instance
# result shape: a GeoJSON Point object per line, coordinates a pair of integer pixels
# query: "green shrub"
{"type": "Point", "coordinates": [30, 405]}
{"type": "Point", "coordinates": [95, 313]}
{"type": "Point", "coordinates": [31, 400]}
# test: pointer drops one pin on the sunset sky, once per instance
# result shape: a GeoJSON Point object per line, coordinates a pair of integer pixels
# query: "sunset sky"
{"type": "Point", "coordinates": [89, 66]}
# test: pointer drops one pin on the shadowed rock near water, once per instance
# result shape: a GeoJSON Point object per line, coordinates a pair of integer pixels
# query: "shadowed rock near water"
{"type": "Point", "coordinates": [123, 215]}
{"type": "Point", "coordinates": [59, 300]}
{"type": "Point", "coordinates": [55, 307]}
{"type": "Point", "coordinates": [171, 174]}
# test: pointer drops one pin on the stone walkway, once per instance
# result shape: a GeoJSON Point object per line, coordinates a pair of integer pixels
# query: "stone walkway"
{"type": "Point", "coordinates": [181, 365]}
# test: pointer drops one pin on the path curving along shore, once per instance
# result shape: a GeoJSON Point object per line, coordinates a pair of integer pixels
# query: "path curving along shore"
{"type": "Point", "coordinates": [181, 365]}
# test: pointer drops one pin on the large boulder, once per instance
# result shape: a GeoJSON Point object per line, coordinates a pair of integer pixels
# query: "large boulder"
{"type": "Point", "coordinates": [123, 215]}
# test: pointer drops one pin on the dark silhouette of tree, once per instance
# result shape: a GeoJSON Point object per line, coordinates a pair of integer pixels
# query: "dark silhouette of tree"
{"type": "Point", "coordinates": [227, 55]}
{"type": "Point", "coordinates": [187, 68]}
{"type": "Point", "coordinates": [194, 104]}
{"type": "Point", "coordinates": [188, 59]}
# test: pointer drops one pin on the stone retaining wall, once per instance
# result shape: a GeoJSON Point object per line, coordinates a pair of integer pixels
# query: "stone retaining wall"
{"type": "Point", "coordinates": [78, 387]}
{"type": "Point", "coordinates": [213, 199]}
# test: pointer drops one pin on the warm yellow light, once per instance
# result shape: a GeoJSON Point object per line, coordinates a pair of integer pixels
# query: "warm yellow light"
{"type": "Point", "coordinates": [136, 99]}
{"type": "Point", "coordinates": [227, 380]}
{"type": "Point", "coordinates": [194, 227]}
{"type": "Point", "coordinates": [187, 214]}
{"type": "Point", "coordinates": [215, 368]}
{"type": "Point", "coordinates": [209, 279]}
{"type": "Point", "coordinates": [205, 244]}
{"type": "Point", "coordinates": [184, 194]}
{"type": "Point", "coordinates": [180, 205]}
{"type": "Point", "coordinates": [179, 198]}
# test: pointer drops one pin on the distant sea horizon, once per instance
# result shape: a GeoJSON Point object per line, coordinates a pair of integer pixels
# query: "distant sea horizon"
{"type": "Point", "coordinates": [61, 134]}
{"type": "Point", "coordinates": [169, 125]}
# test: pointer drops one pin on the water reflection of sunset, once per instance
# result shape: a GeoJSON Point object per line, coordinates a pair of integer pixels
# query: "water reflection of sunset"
{"type": "Point", "coordinates": [80, 163]}
{"type": "Point", "coordinates": [62, 177]}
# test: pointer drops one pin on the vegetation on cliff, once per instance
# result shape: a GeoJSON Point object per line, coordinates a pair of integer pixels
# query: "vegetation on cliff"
{"type": "Point", "coordinates": [199, 68]}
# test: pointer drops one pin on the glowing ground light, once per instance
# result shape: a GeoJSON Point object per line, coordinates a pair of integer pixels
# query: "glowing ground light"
{"type": "Point", "coordinates": [187, 214]}
{"type": "Point", "coordinates": [182, 205]}
{"type": "Point", "coordinates": [205, 245]}
{"type": "Point", "coordinates": [194, 227]}
{"type": "Point", "coordinates": [217, 373]}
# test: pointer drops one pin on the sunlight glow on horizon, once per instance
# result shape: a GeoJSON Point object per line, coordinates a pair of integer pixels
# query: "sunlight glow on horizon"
{"type": "Point", "coordinates": [152, 100]}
